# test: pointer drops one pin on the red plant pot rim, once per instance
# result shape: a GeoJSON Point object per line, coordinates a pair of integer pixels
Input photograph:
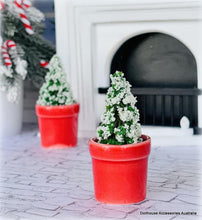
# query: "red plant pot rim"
{"type": "Point", "coordinates": [58, 111]}
{"type": "Point", "coordinates": [125, 152]}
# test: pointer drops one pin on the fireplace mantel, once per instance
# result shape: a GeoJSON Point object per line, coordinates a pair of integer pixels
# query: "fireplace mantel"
{"type": "Point", "coordinates": [89, 32]}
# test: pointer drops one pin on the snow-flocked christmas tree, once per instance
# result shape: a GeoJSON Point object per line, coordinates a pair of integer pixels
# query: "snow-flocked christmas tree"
{"type": "Point", "coordinates": [55, 90]}
{"type": "Point", "coordinates": [22, 24]}
{"type": "Point", "coordinates": [120, 121]}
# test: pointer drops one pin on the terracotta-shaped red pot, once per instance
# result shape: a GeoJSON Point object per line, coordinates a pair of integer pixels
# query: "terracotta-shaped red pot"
{"type": "Point", "coordinates": [58, 125]}
{"type": "Point", "coordinates": [120, 171]}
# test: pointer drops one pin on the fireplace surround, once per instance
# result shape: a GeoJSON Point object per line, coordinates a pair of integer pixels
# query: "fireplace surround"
{"type": "Point", "coordinates": [89, 33]}
{"type": "Point", "coordinates": [163, 75]}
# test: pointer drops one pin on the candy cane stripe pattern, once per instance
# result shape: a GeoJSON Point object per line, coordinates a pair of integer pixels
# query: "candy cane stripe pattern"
{"type": "Point", "coordinates": [21, 5]}
{"type": "Point", "coordinates": [26, 4]}
{"type": "Point", "coordinates": [8, 44]}
{"type": "Point", "coordinates": [1, 5]}
{"type": "Point", "coordinates": [11, 44]}
{"type": "Point", "coordinates": [44, 63]}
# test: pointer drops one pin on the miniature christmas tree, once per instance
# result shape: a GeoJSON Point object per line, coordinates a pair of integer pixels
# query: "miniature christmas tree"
{"type": "Point", "coordinates": [120, 121]}
{"type": "Point", "coordinates": [55, 90]}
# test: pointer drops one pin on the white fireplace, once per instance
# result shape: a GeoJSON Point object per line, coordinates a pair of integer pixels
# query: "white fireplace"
{"type": "Point", "coordinates": [89, 32]}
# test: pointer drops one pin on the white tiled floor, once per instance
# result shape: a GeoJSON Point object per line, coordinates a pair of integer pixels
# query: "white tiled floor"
{"type": "Point", "coordinates": [38, 184]}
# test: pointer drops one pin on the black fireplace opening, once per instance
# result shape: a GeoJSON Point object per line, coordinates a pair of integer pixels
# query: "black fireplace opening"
{"type": "Point", "coordinates": [163, 75]}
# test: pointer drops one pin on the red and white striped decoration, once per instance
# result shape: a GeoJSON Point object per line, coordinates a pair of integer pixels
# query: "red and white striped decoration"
{"type": "Point", "coordinates": [25, 3]}
{"type": "Point", "coordinates": [1, 5]}
{"type": "Point", "coordinates": [21, 6]}
{"type": "Point", "coordinates": [44, 63]}
{"type": "Point", "coordinates": [11, 45]}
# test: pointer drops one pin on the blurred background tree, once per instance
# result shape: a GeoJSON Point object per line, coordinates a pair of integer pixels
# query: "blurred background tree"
{"type": "Point", "coordinates": [23, 23]}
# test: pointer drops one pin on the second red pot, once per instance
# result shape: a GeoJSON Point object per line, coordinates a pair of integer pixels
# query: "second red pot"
{"type": "Point", "coordinates": [58, 125]}
{"type": "Point", "coordinates": [120, 171]}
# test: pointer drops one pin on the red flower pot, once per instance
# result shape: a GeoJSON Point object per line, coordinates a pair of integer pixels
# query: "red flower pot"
{"type": "Point", "coordinates": [58, 125]}
{"type": "Point", "coordinates": [120, 171]}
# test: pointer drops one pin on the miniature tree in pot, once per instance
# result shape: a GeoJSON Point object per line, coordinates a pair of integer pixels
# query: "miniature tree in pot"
{"type": "Point", "coordinates": [120, 152]}
{"type": "Point", "coordinates": [56, 109]}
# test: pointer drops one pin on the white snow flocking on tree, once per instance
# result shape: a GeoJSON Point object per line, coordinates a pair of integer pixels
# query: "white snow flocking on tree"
{"type": "Point", "coordinates": [120, 121]}
{"type": "Point", "coordinates": [55, 90]}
